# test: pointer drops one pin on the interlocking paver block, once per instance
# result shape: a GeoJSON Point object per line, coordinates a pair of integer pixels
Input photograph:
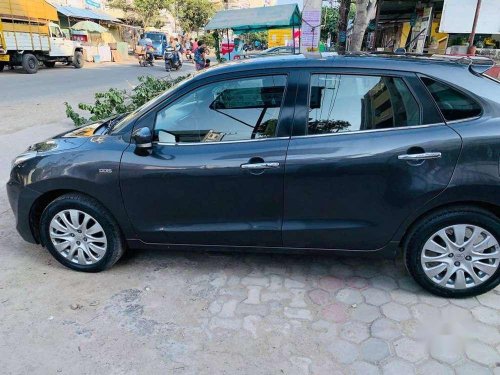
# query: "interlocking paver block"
{"type": "Point", "coordinates": [365, 313]}
{"type": "Point", "coordinates": [331, 283]}
{"type": "Point", "coordinates": [336, 312]}
{"type": "Point", "coordinates": [385, 329]}
{"type": "Point", "coordinates": [398, 367]}
{"type": "Point", "coordinates": [354, 331]}
{"type": "Point", "coordinates": [375, 296]}
{"type": "Point", "coordinates": [487, 315]}
{"type": "Point", "coordinates": [471, 368]}
{"type": "Point", "coordinates": [396, 311]}
{"type": "Point", "coordinates": [374, 350]}
{"type": "Point", "coordinates": [482, 353]}
{"type": "Point", "coordinates": [490, 300]}
{"type": "Point", "coordinates": [384, 283]}
{"type": "Point", "coordinates": [320, 297]}
{"type": "Point", "coordinates": [434, 368]}
{"type": "Point", "coordinates": [343, 351]}
{"type": "Point", "coordinates": [363, 368]}
{"type": "Point", "coordinates": [349, 296]}
{"type": "Point", "coordinates": [410, 350]}
{"type": "Point", "coordinates": [446, 348]}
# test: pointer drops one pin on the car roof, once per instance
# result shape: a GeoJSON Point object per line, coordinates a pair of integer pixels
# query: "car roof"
{"type": "Point", "coordinates": [454, 73]}
{"type": "Point", "coordinates": [393, 63]}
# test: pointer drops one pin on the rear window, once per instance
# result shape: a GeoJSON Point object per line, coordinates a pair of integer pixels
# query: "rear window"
{"type": "Point", "coordinates": [453, 104]}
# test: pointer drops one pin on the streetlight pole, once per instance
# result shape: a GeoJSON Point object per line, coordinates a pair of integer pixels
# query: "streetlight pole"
{"type": "Point", "coordinates": [471, 50]}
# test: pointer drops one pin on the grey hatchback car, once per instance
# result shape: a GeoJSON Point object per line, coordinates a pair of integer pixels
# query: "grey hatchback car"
{"type": "Point", "coordinates": [355, 155]}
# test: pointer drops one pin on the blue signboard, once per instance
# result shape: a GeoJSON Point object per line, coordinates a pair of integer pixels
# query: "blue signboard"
{"type": "Point", "coordinates": [93, 3]}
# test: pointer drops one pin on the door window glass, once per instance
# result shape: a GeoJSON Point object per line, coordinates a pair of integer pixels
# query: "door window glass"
{"type": "Point", "coordinates": [453, 104]}
{"type": "Point", "coordinates": [224, 111]}
{"type": "Point", "coordinates": [342, 103]}
{"type": "Point", "coordinates": [56, 32]}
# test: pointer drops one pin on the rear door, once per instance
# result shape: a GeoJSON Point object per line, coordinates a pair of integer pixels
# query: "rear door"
{"type": "Point", "coordinates": [368, 148]}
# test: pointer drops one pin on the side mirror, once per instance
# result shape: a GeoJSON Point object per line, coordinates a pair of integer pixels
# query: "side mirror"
{"type": "Point", "coordinates": [143, 138]}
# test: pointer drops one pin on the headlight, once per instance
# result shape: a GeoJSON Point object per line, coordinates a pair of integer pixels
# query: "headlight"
{"type": "Point", "coordinates": [23, 157]}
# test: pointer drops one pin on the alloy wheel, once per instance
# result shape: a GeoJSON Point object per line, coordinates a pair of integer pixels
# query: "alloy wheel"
{"type": "Point", "coordinates": [78, 237]}
{"type": "Point", "coordinates": [460, 256]}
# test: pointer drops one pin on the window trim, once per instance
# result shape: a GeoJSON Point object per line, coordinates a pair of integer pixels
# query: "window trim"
{"type": "Point", "coordinates": [214, 143]}
{"type": "Point", "coordinates": [370, 131]}
{"type": "Point", "coordinates": [361, 73]}
{"type": "Point", "coordinates": [234, 78]}
{"type": "Point", "coordinates": [456, 88]}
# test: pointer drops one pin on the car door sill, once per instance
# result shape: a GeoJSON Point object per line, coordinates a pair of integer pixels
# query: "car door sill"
{"type": "Point", "coordinates": [388, 251]}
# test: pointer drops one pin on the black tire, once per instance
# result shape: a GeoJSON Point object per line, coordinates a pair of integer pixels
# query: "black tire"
{"type": "Point", "coordinates": [49, 64]}
{"type": "Point", "coordinates": [440, 220]}
{"type": "Point", "coordinates": [78, 61]}
{"type": "Point", "coordinates": [168, 66]}
{"type": "Point", "coordinates": [1, 67]}
{"type": "Point", "coordinates": [30, 63]}
{"type": "Point", "coordinates": [115, 243]}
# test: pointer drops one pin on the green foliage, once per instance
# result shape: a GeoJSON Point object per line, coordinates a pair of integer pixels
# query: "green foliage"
{"type": "Point", "coordinates": [253, 36]}
{"type": "Point", "coordinates": [148, 11]}
{"type": "Point", "coordinates": [113, 101]}
{"type": "Point", "coordinates": [194, 14]}
{"type": "Point", "coordinates": [330, 21]}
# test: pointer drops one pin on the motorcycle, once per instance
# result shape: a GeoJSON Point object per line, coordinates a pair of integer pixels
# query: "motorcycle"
{"type": "Point", "coordinates": [146, 58]}
{"type": "Point", "coordinates": [172, 59]}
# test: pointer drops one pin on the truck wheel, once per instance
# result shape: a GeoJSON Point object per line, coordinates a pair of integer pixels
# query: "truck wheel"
{"type": "Point", "coordinates": [30, 63]}
{"type": "Point", "coordinates": [78, 60]}
{"type": "Point", "coordinates": [49, 64]}
{"type": "Point", "coordinates": [1, 67]}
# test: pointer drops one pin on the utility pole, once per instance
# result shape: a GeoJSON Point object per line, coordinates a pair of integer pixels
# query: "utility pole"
{"type": "Point", "coordinates": [471, 49]}
{"type": "Point", "coordinates": [344, 7]}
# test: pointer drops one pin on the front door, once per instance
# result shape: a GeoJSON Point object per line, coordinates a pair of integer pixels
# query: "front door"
{"type": "Point", "coordinates": [368, 154]}
{"type": "Point", "coordinates": [215, 174]}
{"type": "Point", "coordinates": [60, 46]}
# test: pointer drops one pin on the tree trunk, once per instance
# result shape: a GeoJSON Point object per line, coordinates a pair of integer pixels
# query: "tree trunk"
{"type": "Point", "coordinates": [364, 12]}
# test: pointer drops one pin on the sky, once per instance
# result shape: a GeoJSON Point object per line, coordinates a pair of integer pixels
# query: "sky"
{"type": "Point", "coordinates": [298, 2]}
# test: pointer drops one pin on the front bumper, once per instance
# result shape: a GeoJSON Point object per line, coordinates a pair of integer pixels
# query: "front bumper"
{"type": "Point", "coordinates": [21, 200]}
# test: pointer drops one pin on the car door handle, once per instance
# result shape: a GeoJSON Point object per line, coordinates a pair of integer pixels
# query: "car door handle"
{"type": "Point", "coordinates": [422, 156]}
{"type": "Point", "coordinates": [254, 166]}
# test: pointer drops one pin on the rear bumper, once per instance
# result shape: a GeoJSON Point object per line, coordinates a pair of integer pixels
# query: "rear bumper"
{"type": "Point", "coordinates": [21, 200]}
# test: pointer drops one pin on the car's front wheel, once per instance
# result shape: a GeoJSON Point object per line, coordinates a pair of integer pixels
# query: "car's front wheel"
{"type": "Point", "coordinates": [81, 234]}
{"type": "Point", "coordinates": [456, 253]}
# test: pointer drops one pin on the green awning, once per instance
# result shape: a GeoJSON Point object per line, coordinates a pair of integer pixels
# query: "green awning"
{"type": "Point", "coordinates": [255, 19]}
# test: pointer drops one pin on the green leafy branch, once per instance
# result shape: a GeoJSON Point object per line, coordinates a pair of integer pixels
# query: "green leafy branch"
{"type": "Point", "coordinates": [114, 101]}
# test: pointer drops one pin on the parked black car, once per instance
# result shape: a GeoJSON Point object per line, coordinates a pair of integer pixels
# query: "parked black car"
{"type": "Point", "coordinates": [352, 155]}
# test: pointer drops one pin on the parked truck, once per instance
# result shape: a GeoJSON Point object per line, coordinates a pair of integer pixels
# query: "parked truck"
{"type": "Point", "coordinates": [29, 36]}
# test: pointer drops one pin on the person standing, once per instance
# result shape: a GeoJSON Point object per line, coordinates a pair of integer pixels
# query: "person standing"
{"type": "Point", "coordinates": [195, 45]}
{"type": "Point", "coordinates": [199, 56]}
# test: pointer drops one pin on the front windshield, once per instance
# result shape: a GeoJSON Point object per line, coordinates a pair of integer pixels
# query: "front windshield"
{"type": "Point", "coordinates": [154, 37]}
{"type": "Point", "coordinates": [146, 106]}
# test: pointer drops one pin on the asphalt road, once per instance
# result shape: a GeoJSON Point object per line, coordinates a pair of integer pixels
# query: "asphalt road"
{"type": "Point", "coordinates": [198, 313]}
{"type": "Point", "coordinates": [42, 95]}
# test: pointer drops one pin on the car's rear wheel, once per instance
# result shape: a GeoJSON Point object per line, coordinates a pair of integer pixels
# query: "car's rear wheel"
{"type": "Point", "coordinates": [81, 234]}
{"type": "Point", "coordinates": [456, 253]}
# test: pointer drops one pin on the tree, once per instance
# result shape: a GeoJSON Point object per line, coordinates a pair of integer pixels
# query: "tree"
{"type": "Point", "coordinates": [330, 22]}
{"type": "Point", "coordinates": [147, 11]}
{"type": "Point", "coordinates": [194, 14]}
{"type": "Point", "coordinates": [365, 10]}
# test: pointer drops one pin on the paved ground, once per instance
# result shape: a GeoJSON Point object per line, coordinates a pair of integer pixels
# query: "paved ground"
{"type": "Point", "coordinates": [199, 313]}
